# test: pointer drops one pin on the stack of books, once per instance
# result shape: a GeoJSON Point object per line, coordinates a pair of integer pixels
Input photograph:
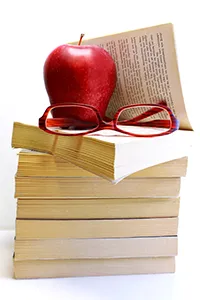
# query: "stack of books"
{"type": "Point", "coordinates": [106, 204]}
{"type": "Point", "coordinates": [71, 222]}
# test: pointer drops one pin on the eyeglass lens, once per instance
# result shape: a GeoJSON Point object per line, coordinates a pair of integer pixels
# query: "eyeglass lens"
{"type": "Point", "coordinates": [144, 120]}
{"type": "Point", "coordinates": [72, 120]}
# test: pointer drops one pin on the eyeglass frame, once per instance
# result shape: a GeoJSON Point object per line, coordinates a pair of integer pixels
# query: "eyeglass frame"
{"type": "Point", "coordinates": [111, 124]}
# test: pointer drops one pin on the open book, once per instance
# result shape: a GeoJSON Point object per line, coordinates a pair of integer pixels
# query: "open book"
{"type": "Point", "coordinates": [147, 69]}
{"type": "Point", "coordinates": [111, 157]}
{"type": "Point", "coordinates": [147, 72]}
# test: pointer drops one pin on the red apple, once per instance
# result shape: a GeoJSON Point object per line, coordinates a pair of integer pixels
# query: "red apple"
{"type": "Point", "coordinates": [83, 74]}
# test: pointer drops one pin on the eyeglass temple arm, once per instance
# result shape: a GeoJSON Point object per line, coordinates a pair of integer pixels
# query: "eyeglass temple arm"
{"type": "Point", "coordinates": [66, 122]}
{"type": "Point", "coordinates": [154, 123]}
{"type": "Point", "coordinates": [152, 111]}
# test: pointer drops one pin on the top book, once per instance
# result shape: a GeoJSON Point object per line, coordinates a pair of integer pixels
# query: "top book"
{"type": "Point", "coordinates": [111, 157]}
{"type": "Point", "coordinates": [147, 72]}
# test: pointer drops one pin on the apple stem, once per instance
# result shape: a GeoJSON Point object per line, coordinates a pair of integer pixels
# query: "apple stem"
{"type": "Point", "coordinates": [81, 37]}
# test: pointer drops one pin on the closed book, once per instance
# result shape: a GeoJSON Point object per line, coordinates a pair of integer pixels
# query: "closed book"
{"type": "Point", "coordinates": [97, 208]}
{"type": "Point", "coordinates": [83, 187]}
{"type": "Point", "coordinates": [95, 248]}
{"type": "Point", "coordinates": [111, 157]}
{"type": "Point", "coordinates": [92, 267]}
{"type": "Point", "coordinates": [107, 228]}
{"type": "Point", "coordinates": [33, 163]}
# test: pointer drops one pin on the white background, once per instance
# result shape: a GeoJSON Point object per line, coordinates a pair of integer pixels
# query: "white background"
{"type": "Point", "coordinates": [30, 30]}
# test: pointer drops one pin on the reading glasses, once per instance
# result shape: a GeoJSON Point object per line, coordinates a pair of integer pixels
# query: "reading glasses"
{"type": "Point", "coordinates": [139, 120]}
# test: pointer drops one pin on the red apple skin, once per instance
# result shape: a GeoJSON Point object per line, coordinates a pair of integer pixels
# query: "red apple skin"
{"type": "Point", "coordinates": [82, 74]}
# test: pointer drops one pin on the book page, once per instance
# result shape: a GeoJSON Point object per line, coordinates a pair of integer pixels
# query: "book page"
{"type": "Point", "coordinates": [147, 69]}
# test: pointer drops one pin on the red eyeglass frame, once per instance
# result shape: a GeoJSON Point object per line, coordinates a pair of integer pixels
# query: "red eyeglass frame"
{"type": "Point", "coordinates": [111, 124]}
